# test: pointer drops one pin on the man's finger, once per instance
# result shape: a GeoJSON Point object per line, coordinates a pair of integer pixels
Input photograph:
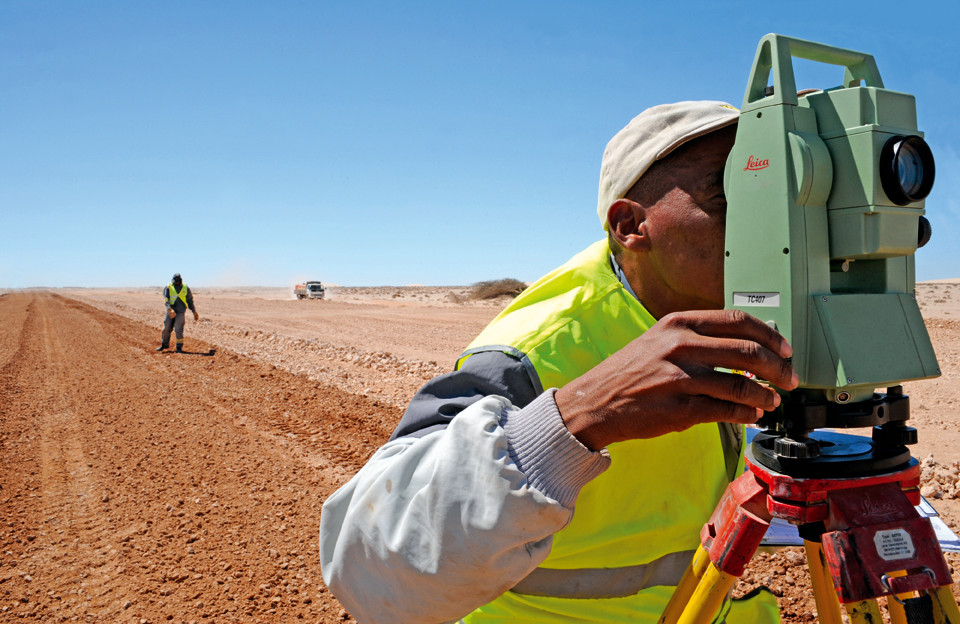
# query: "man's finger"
{"type": "Point", "coordinates": [737, 389]}
{"type": "Point", "coordinates": [724, 411]}
{"type": "Point", "coordinates": [748, 356]}
{"type": "Point", "coordinates": [736, 324]}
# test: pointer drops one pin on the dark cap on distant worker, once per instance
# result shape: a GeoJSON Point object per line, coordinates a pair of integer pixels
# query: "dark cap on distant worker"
{"type": "Point", "coordinates": [650, 136]}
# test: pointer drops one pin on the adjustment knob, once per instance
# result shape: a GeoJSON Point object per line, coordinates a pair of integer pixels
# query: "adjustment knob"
{"type": "Point", "coordinates": [797, 449]}
{"type": "Point", "coordinates": [924, 232]}
{"type": "Point", "coordinates": [894, 434]}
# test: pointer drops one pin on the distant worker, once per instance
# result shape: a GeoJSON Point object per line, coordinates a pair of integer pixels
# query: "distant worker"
{"type": "Point", "coordinates": [178, 297]}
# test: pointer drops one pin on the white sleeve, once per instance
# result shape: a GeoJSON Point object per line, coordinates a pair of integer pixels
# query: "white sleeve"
{"type": "Point", "coordinates": [434, 527]}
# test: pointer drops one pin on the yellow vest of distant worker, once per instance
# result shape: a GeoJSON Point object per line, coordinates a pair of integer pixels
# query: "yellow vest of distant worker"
{"type": "Point", "coordinates": [657, 494]}
{"type": "Point", "coordinates": [173, 295]}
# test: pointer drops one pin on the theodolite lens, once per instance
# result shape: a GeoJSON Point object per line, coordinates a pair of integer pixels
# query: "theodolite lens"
{"type": "Point", "coordinates": [906, 169]}
{"type": "Point", "coordinates": [910, 169]}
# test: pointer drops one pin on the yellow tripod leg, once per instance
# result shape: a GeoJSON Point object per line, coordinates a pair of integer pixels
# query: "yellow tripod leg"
{"type": "Point", "coordinates": [828, 606]}
{"type": "Point", "coordinates": [864, 612]}
{"type": "Point", "coordinates": [945, 609]}
{"type": "Point", "coordinates": [708, 596]}
{"type": "Point", "coordinates": [897, 614]}
{"type": "Point", "coordinates": [681, 596]}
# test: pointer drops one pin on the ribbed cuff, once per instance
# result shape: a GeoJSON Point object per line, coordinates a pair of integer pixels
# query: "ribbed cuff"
{"type": "Point", "coordinates": [553, 460]}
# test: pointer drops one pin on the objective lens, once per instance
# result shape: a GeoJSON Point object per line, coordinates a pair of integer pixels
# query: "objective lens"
{"type": "Point", "coordinates": [906, 169]}
{"type": "Point", "coordinates": [909, 168]}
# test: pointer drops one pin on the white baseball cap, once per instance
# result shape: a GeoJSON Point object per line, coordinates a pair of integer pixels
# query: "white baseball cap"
{"type": "Point", "coordinates": [650, 136]}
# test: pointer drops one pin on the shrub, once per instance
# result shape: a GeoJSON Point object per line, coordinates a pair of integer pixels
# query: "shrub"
{"type": "Point", "coordinates": [492, 289]}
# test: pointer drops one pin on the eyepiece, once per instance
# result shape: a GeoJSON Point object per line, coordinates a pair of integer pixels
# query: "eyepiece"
{"type": "Point", "coordinates": [906, 169]}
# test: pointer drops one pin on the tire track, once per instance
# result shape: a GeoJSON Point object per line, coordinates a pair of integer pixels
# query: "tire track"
{"type": "Point", "coordinates": [147, 486]}
{"type": "Point", "coordinates": [68, 482]}
{"type": "Point", "coordinates": [19, 441]}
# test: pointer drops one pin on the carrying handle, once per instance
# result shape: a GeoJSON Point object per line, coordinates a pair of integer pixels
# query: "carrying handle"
{"type": "Point", "coordinates": [776, 52]}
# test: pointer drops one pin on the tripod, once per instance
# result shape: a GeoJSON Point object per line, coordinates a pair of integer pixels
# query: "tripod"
{"type": "Point", "coordinates": [863, 538]}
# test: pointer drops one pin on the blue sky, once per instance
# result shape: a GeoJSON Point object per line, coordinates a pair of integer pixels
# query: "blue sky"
{"type": "Point", "coordinates": [375, 143]}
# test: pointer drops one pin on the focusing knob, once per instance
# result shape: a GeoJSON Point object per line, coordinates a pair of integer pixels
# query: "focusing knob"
{"type": "Point", "coordinates": [797, 449]}
{"type": "Point", "coordinates": [924, 232]}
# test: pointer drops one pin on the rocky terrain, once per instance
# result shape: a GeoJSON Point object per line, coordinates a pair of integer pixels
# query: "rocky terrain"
{"type": "Point", "coordinates": [138, 486]}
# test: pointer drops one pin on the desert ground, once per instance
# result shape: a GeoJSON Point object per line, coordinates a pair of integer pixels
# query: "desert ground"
{"type": "Point", "coordinates": [148, 487]}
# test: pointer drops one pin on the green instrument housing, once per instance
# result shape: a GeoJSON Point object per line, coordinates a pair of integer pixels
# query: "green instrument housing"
{"type": "Point", "coordinates": [814, 244]}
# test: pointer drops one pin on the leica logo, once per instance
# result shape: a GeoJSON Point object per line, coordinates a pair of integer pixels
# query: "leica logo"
{"type": "Point", "coordinates": [754, 164]}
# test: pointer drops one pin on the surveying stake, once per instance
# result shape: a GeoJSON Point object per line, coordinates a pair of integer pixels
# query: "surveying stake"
{"type": "Point", "coordinates": [825, 211]}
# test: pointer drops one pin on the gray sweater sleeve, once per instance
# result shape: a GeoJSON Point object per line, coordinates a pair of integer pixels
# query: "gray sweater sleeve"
{"type": "Point", "coordinates": [460, 505]}
{"type": "Point", "coordinates": [435, 526]}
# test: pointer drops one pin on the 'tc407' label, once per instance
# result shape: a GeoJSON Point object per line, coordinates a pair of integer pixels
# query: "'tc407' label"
{"type": "Point", "coordinates": [760, 299]}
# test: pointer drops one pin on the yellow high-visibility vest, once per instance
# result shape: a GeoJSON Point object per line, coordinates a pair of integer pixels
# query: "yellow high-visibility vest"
{"type": "Point", "coordinates": [658, 492]}
{"type": "Point", "coordinates": [173, 295]}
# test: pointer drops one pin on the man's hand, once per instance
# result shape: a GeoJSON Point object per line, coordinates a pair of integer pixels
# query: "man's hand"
{"type": "Point", "coordinates": [171, 313]}
{"type": "Point", "coordinates": [665, 380]}
{"type": "Point", "coordinates": [196, 316]}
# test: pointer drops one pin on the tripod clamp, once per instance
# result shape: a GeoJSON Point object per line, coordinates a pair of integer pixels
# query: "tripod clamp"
{"type": "Point", "coordinates": [888, 582]}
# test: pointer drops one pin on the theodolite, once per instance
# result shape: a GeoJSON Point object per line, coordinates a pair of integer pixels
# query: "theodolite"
{"type": "Point", "coordinates": [825, 192]}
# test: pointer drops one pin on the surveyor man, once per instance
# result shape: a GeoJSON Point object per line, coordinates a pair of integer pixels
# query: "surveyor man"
{"type": "Point", "coordinates": [177, 298]}
{"type": "Point", "coordinates": [564, 470]}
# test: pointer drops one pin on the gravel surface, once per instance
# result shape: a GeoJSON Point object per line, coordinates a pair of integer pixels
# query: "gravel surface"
{"type": "Point", "coordinates": [138, 486]}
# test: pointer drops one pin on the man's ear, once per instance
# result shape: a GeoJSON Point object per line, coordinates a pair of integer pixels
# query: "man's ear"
{"type": "Point", "coordinates": [626, 220]}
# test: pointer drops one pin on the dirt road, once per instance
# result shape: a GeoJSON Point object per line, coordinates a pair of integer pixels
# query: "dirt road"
{"type": "Point", "coordinates": [138, 486]}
